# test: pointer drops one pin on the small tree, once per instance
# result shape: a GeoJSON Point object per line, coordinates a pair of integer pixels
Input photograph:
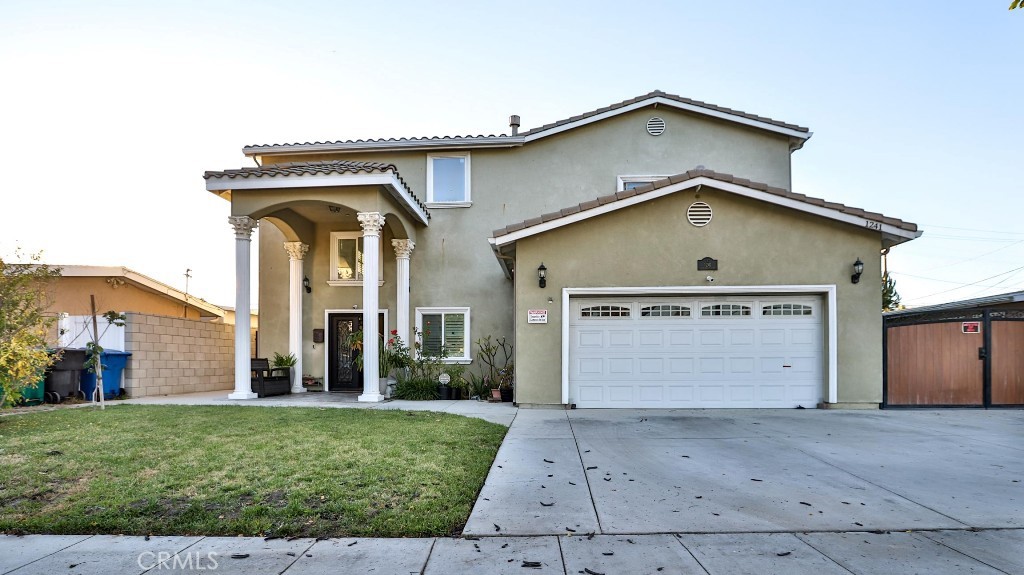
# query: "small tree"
{"type": "Point", "coordinates": [890, 297]}
{"type": "Point", "coordinates": [24, 299]}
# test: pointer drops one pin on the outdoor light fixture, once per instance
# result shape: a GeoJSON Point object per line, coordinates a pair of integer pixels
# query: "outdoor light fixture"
{"type": "Point", "coordinates": [858, 268]}
{"type": "Point", "coordinates": [542, 275]}
{"type": "Point", "coordinates": [305, 284]}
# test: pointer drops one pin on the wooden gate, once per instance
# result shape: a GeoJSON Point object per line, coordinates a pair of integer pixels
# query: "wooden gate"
{"type": "Point", "coordinates": [959, 358]}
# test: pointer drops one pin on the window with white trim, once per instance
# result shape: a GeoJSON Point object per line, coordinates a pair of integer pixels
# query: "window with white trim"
{"type": "Point", "coordinates": [665, 310]}
{"type": "Point", "coordinates": [448, 180]}
{"type": "Point", "coordinates": [444, 328]}
{"type": "Point", "coordinates": [629, 182]}
{"type": "Point", "coordinates": [347, 259]}
{"type": "Point", "coordinates": [724, 310]}
{"type": "Point", "coordinates": [786, 309]}
{"type": "Point", "coordinates": [605, 311]}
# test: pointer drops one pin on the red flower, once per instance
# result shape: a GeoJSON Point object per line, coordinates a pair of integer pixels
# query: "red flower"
{"type": "Point", "coordinates": [391, 342]}
{"type": "Point", "coordinates": [394, 332]}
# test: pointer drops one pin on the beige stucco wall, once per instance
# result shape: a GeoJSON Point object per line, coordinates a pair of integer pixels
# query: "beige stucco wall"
{"type": "Point", "coordinates": [652, 244]}
{"type": "Point", "coordinates": [453, 265]}
{"type": "Point", "coordinates": [172, 355]}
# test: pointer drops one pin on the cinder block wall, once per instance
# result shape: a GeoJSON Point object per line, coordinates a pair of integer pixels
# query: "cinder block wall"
{"type": "Point", "coordinates": [173, 355]}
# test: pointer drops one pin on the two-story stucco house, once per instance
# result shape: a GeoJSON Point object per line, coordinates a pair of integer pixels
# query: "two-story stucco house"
{"type": "Point", "coordinates": [680, 269]}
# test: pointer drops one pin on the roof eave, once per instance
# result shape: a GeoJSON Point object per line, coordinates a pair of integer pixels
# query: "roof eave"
{"type": "Point", "coordinates": [386, 145]}
{"type": "Point", "coordinates": [891, 233]}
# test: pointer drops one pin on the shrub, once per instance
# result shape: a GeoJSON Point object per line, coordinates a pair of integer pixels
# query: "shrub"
{"type": "Point", "coordinates": [416, 389]}
{"type": "Point", "coordinates": [23, 325]}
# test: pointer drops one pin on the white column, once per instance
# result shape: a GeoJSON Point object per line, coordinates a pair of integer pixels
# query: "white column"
{"type": "Point", "coordinates": [296, 251]}
{"type": "Point", "coordinates": [243, 225]}
{"type": "Point", "coordinates": [403, 249]}
{"type": "Point", "coordinates": [372, 223]}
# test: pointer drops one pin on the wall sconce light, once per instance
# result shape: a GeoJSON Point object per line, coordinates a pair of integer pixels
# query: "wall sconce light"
{"type": "Point", "coordinates": [305, 284]}
{"type": "Point", "coordinates": [542, 275]}
{"type": "Point", "coordinates": [858, 268]}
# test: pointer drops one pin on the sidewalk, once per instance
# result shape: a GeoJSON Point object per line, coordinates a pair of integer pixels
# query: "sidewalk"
{"type": "Point", "coordinates": [933, 552]}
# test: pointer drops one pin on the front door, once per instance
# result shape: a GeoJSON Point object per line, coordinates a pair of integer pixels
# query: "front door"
{"type": "Point", "coordinates": [343, 375]}
{"type": "Point", "coordinates": [342, 372]}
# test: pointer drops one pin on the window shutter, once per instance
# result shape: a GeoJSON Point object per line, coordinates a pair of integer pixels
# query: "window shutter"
{"type": "Point", "coordinates": [455, 334]}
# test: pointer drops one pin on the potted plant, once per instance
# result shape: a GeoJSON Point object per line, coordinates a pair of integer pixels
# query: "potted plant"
{"type": "Point", "coordinates": [392, 355]}
{"type": "Point", "coordinates": [497, 366]}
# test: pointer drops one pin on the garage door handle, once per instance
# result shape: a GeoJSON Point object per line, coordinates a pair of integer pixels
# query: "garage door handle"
{"type": "Point", "coordinates": [787, 366]}
{"type": "Point", "coordinates": [982, 353]}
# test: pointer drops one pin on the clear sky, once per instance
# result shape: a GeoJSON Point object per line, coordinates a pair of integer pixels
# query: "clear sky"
{"type": "Point", "coordinates": [111, 111]}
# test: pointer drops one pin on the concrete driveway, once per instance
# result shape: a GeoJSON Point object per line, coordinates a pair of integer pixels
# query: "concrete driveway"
{"type": "Point", "coordinates": [745, 471]}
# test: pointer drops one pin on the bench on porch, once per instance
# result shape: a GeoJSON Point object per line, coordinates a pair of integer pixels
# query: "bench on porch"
{"type": "Point", "coordinates": [264, 381]}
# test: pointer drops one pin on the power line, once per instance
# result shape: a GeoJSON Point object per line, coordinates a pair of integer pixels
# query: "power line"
{"type": "Point", "coordinates": [972, 230]}
{"type": "Point", "coordinates": [967, 285]}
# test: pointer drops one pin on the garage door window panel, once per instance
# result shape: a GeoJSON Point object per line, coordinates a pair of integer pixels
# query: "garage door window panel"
{"type": "Point", "coordinates": [787, 310]}
{"type": "Point", "coordinates": [606, 311]}
{"type": "Point", "coordinates": [664, 310]}
{"type": "Point", "coordinates": [725, 310]}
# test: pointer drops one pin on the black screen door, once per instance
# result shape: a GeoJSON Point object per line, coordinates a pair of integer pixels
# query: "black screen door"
{"type": "Point", "coordinates": [342, 372]}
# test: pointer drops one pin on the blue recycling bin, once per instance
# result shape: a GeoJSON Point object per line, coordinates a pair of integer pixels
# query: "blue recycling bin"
{"type": "Point", "coordinates": [114, 363]}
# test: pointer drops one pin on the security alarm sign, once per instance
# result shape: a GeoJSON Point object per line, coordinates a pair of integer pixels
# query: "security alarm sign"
{"type": "Point", "coordinates": [971, 327]}
{"type": "Point", "coordinates": [537, 316]}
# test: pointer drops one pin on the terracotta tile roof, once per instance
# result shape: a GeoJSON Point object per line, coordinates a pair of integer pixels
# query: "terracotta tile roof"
{"type": "Point", "coordinates": [314, 168]}
{"type": "Point", "coordinates": [726, 178]}
{"type": "Point", "coordinates": [673, 97]}
{"type": "Point", "coordinates": [502, 139]}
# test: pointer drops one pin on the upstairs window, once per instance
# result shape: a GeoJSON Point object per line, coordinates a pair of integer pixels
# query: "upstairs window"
{"type": "Point", "coordinates": [630, 182]}
{"type": "Point", "coordinates": [347, 259]}
{"type": "Point", "coordinates": [448, 180]}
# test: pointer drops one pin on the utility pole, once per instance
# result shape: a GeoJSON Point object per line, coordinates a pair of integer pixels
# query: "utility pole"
{"type": "Point", "coordinates": [188, 275]}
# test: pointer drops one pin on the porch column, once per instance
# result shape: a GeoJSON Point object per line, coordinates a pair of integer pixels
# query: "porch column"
{"type": "Point", "coordinates": [243, 225]}
{"type": "Point", "coordinates": [403, 249]}
{"type": "Point", "coordinates": [372, 222]}
{"type": "Point", "coordinates": [296, 251]}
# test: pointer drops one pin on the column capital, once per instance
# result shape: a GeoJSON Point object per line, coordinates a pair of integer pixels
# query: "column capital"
{"type": "Point", "coordinates": [296, 250]}
{"type": "Point", "coordinates": [372, 222]}
{"type": "Point", "coordinates": [403, 248]}
{"type": "Point", "coordinates": [244, 225]}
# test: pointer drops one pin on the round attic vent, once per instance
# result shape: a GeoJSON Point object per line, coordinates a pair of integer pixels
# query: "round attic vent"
{"type": "Point", "coordinates": [655, 126]}
{"type": "Point", "coordinates": [699, 214]}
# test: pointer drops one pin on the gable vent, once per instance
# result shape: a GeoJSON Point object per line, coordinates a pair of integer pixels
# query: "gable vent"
{"type": "Point", "coordinates": [655, 126]}
{"type": "Point", "coordinates": [699, 214]}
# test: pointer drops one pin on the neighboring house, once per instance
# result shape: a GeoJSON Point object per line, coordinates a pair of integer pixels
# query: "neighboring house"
{"type": "Point", "coordinates": [121, 289]}
{"type": "Point", "coordinates": [966, 353]}
{"type": "Point", "coordinates": [681, 270]}
{"type": "Point", "coordinates": [178, 343]}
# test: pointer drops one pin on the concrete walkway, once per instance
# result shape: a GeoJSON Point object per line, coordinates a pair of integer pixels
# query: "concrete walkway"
{"type": "Point", "coordinates": [502, 413]}
{"type": "Point", "coordinates": [934, 552]}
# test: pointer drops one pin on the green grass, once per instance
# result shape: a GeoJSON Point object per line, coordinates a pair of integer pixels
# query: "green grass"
{"type": "Point", "coordinates": [251, 471]}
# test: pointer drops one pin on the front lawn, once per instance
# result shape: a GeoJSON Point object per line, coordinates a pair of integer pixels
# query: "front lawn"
{"type": "Point", "coordinates": [267, 471]}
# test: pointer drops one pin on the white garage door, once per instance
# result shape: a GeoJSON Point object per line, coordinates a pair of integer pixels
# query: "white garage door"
{"type": "Point", "coordinates": [696, 352]}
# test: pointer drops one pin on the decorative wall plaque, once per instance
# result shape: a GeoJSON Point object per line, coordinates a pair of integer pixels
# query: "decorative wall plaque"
{"type": "Point", "coordinates": [707, 264]}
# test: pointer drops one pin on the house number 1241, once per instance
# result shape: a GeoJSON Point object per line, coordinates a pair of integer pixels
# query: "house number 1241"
{"type": "Point", "coordinates": [872, 225]}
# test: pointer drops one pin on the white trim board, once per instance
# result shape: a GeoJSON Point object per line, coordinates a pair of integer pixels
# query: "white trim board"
{"type": "Point", "coordinates": [327, 328]}
{"type": "Point", "coordinates": [662, 101]}
{"type": "Point", "coordinates": [711, 183]}
{"type": "Point", "coordinates": [388, 180]}
{"type": "Point", "coordinates": [829, 291]}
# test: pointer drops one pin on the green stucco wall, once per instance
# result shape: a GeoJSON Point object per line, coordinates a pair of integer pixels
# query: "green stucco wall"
{"type": "Point", "coordinates": [652, 244]}
{"type": "Point", "coordinates": [453, 265]}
